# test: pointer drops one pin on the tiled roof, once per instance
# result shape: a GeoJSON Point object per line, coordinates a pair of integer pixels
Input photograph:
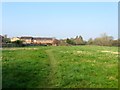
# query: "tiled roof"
{"type": "Point", "coordinates": [39, 38]}
{"type": "Point", "coordinates": [26, 37]}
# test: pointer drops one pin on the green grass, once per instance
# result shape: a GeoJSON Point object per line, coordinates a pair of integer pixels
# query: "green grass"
{"type": "Point", "coordinates": [60, 67]}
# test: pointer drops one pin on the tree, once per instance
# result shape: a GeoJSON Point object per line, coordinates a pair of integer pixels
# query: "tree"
{"type": "Point", "coordinates": [79, 40]}
{"type": "Point", "coordinates": [70, 41]}
{"type": "Point", "coordinates": [90, 41]}
{"type": "Point", "coordinates": [56, 42]}
{"type": "Point", "coordinates": [116, 42]}
{"type": "Point", "coordinates": [6, 40]}
{"type": "Point", "coordinates": [104, 40]}
{"type": "Point", "coordinates": [18, 42]}
{"type": "Point", "coordinates": [62, 42]}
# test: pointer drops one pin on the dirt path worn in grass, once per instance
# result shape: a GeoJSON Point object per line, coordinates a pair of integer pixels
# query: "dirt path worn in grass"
{"type": "Point", "coordinates": [53, 65]}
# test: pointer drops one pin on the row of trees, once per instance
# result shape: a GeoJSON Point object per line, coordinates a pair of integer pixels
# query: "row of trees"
{"type": "Point", "coordinates": [78, 40]}
{"type": "Point", "coordinates": [75, 41]}
{"type": "Point", "coordinates": [103, 40]}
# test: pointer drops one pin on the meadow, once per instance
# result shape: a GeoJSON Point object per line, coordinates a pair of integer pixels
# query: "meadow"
{"type": "Point", "coordinates": [60, 67]}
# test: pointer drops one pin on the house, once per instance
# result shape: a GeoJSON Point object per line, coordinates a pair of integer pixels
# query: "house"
{"type": "Point", "coordinates": [26, 40]}
{"type": "Point", "coordinates": [14, 39]}
{"type": "Point", "coordinates": [38, 40]}
{"type": "Point", "coordinates": [45, 41]}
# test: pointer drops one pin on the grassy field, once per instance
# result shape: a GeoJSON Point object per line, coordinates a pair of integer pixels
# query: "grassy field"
{"type": "Point", "coordinates": [60, 67]}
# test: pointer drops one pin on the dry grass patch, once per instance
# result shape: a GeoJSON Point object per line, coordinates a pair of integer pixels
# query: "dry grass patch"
{"type": "Point", "coordinates": [111, 52]}
{"type": "Point", "coordinates": [20, 48]}
{"type": "Point", "coordinates": [111, 78]}
{"type": "Point", "coordinates": [81, 52]}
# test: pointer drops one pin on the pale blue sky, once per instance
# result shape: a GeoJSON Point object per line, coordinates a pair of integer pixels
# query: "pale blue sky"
{"type": "Point", "coordinates": [60, 20]}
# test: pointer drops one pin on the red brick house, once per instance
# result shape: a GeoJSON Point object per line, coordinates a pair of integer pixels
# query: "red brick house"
{"type": "Point", "coordinates": [39, 40]}
{"type": "Point", "coordinates": [27, 40]}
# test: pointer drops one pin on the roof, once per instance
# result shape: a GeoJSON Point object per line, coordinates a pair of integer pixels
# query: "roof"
{"type": "Point", "coordinates": [15, 37]}
{"type": "Point", "coordinates": [39, 38]}
{"type": "Point", "coordinates": [26, 37]}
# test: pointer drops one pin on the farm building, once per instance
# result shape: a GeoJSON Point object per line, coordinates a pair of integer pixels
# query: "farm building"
{"type": "Point", "coordinates": [27, 40]}
{"type": "Point", "coordinates": [14, 39]}
{"type": "Point", "coordinates": [39, 40]}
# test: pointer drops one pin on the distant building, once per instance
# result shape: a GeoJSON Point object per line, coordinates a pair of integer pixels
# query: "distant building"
{"type": "Point", "coordinates": [27, 40]}
{"type": "Point", "coordinates": [14, 39]}
{"type": "Point", "coordinates": [39, 40]}
{"type": "Point", "coordinates": [46, 41]}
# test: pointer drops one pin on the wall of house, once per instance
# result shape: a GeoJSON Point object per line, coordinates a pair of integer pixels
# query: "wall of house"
{"type": "Point", "coordinates": [42, 41]}
{"type": "Point", "coordinates": [47, 41]}
{"type": "Point", "coordinates": [27, 41]}
{"type": "Point", "coordinates": [14, 39]}
{"type": "Point", "coordinates": [38, 41]}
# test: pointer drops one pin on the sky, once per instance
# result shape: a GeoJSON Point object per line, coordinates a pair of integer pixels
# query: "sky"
{"type": "Point", "coordinates": [60, 19]}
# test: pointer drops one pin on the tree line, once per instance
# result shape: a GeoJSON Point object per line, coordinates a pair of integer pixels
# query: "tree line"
{"type": "Point", "coordinates": [103, 40]}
